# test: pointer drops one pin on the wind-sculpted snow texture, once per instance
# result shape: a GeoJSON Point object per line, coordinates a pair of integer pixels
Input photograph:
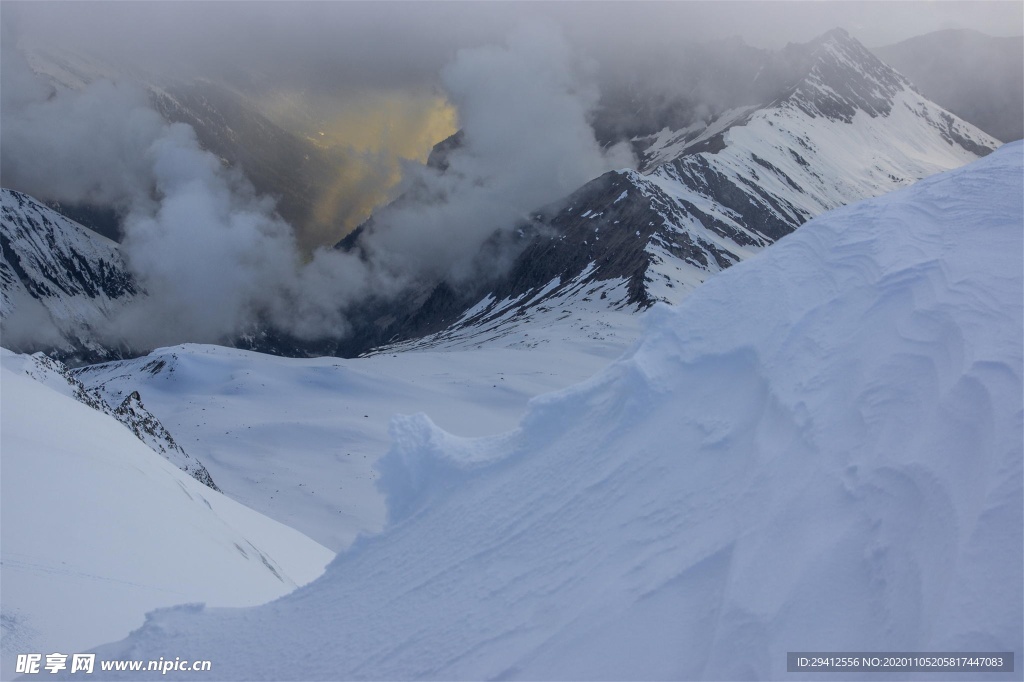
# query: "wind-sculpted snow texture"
{"type": "Point", "coordinates": [821, 449]}
{"type": "Point", "coordinates": [712, 195]}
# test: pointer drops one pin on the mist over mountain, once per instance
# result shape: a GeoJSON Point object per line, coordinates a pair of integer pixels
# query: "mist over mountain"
{"type": "Point", "coordinates": [523, 108]}
{"type": "Point", "coordinates": [203, 175]}
{"type": "Point", "coordinates": [978, 77]}
{"type": "Point", "coordinates": [316, 187]}
{"type": "Point", "coordinates": [702, 199]}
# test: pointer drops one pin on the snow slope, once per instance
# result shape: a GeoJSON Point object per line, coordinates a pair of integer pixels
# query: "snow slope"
{"type": "Point", "coordinates": [821, 449]}
{"type": "Point", "coordinates": [296, 439]}
{"type": "Point", "coordinates": [98, 529]}
{"type": "Point", "coordinates": [130, 411]}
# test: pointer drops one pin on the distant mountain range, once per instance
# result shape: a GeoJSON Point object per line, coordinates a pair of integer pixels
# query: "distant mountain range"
{"type": "Point", "coordinates": [835, 126]}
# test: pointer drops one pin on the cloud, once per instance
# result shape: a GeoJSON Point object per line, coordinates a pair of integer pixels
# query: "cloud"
{"type": "Point", "coordinates": [380, 80]}
{"type": "Point", "coordinates": [334, 66]}
{"type": "Point", "coordinates": [523, 111]}
{"type": "Point", "coordinates": [213, 256]}
{"type": "Point", "coordinates": [218, 261]}
{"type": "Point", "coordinates": [54, 142]}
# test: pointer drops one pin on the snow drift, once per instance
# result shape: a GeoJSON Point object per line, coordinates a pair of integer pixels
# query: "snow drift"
{"type": "Point", "coordinates": [821, 449]}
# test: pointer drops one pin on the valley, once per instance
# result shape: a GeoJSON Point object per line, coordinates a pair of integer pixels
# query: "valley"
{"type": "Point", "coordinates": [626, 380]}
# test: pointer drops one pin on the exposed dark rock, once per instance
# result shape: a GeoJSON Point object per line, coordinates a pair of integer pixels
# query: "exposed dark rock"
{"type": "Point", "coordinates": [131, 413]}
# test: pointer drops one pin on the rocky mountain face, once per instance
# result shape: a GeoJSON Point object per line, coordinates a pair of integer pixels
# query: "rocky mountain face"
{"type": "Point", "coordinates": [835, 125]}
{"type": "Point", "coordinates": [130, 412]}
{"type": "Point", "coordinates": [61, 283]}
{"type": "Point", "coordinates": [296, 172]}
{"type": "Point", "coordinates": [714, 193]}
{"type": "Point", "coordinates": [63, 286]}
{"type": "Point", "coordinates": [147, 428]}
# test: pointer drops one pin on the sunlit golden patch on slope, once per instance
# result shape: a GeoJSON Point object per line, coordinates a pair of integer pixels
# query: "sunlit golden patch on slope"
{"type": "Point", "coordinates": [375, 134]}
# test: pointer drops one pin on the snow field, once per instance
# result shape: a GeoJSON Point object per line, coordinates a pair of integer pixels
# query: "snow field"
{"type": "Point", "coordinates": [98, 529]}
{"type": "Point", "coordinates": [821, 449]}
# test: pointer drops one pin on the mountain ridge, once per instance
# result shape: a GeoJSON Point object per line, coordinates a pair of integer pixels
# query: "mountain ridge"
{"type": "Point", "coordinates": [62, 279]}
{"type": "Point", "coordinates": [130, 412]}
{"type": "Point", "coordinates": [703, 199]}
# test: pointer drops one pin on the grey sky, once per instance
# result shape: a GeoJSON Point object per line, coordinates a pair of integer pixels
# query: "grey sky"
{"type": "Point", "coordinates": [382, 45]}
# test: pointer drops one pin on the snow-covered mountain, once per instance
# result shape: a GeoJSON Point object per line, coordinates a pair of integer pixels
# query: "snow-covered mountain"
{"type": "Point", "coordinates": [821, 449]}
{"type": "Point", "coordinates": [845, 127]}
{"type": "Point", "coordinates": [60, 283]}
{"type": "Point", "coordinates": [98, 529]}
{"type": "Point", "coordinates": [711, 195]}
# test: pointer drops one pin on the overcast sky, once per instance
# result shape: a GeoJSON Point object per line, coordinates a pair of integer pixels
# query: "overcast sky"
{"type": "Point", "coordinates": [384, 45]}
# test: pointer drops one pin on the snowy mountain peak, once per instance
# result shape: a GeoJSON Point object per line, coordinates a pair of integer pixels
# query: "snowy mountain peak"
{"type": "Point", "coordinates": [844, 78]}
{"type": "Point", "coordinates": [704, 199]}
{"type": "Point", "coordinates": [832, 77]}
{"type": "Point", "coordinates": [844, 127]}
{"type": "Point", "coordinates": [31, 230]}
